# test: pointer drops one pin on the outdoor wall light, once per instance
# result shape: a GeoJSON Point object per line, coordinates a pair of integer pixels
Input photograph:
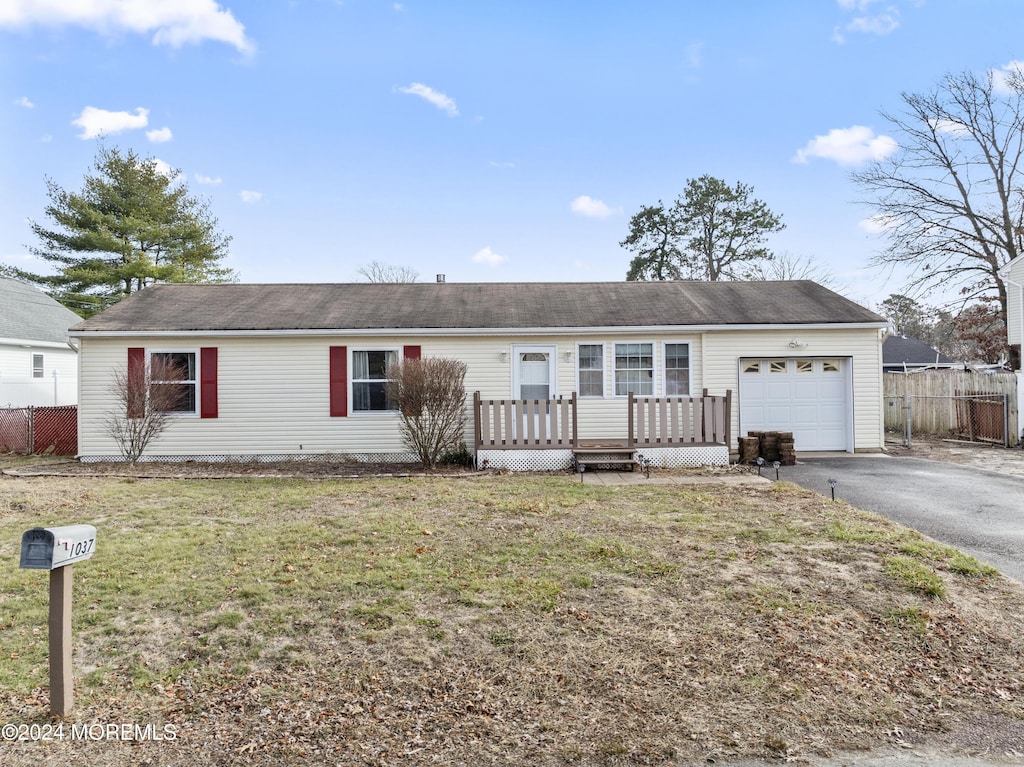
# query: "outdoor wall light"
{"type": "Point", "coordinates": [503, 356]}
{"type": "Point", "coordinates": [796, 343]}
{"type": "Point", "coordinates": [567, 356]}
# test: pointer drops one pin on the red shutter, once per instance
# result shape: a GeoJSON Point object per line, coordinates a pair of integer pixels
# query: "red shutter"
{"type": "Point", "coordinates": [339, 381]}
{"type": "Point", "coordinates": [208, 382]}
{"type": "Point", "coordinates": [411, 352]}
{"type": "Point", "coordinates": [135, 383]}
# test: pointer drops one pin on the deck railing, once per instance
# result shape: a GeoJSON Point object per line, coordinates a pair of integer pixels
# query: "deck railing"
{"type": "Point", "coordinates": [524, 424]}
{"type": "Point", "coordinates": [538, 424]}
{"type": "Point", "coordinates": [678, 421]}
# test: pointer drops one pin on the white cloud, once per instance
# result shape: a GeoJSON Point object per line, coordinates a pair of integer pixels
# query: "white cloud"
{"type": "Point", "coordinates": [164, 168]}
{"type": "Point", "coordinates": [488, 257]}
{"type": "Point", "coordinates": [24, 102]}
{"type": "Point", "coordinates": [250, 197]}
{"type": "Point", "coordinates": [585, 205]}
{"type": "Point", "coordinates": [496, 164]}
{"type": "Point", "coordinates": [847, 146]}
{"type": "Point", "coordinates": [99, 122]}
{"type": "Point", "coordinates": [1001, 77]}
{"type": "Point", "coordinates": [693, 54]}
{"type": "Point", "coordinates": [438, 99]}
{"type": "Point", "coordinates": [208, 180]}
{"type": "Point", "coordinates": [883, 22]}
{"type": "Point", "coordinates": [171, 22]}
{"type": "Point", "coordinates": [160, 135]}
{"type": "Point", "coordinates": [877, 224]}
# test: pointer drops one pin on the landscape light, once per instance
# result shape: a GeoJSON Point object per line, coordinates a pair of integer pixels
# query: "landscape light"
{"type": "Point", "coordinates": [776, 464]}
{"type": "Point", "coordinates": [832, 484]}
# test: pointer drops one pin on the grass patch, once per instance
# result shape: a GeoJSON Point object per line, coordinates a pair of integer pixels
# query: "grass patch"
{"type": "Point", "coordinates": [915, 575]}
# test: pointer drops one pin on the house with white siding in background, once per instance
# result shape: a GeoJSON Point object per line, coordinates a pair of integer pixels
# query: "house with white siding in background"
{"type": "Point", "coordinates": [296, 370]}
{"type": "Point", "coordinates": [37, 365]}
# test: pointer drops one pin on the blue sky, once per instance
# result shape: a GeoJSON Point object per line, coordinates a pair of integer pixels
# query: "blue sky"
{"type": "Point", "coordinates": [488, 141]}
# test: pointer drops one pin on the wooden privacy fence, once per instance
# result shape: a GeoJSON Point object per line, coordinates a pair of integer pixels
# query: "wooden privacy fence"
{"type": "Point", "coordinates": [959, 403]}
{"type": "Point", "coordinates": [675, 421]}
{"type": "Point", "coordinates": [524, 424]}
{"type": "Point", "coordinates": [34, 430]}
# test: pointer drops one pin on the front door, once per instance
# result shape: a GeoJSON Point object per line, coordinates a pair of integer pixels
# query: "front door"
{"type": "Point", "coordinates": [533, 378]}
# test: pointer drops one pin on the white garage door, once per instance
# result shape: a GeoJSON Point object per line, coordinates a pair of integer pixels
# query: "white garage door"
{"type": "Point", "coordinates": [810, 397]}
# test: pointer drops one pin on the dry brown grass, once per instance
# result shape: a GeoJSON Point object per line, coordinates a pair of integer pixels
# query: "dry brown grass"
{"type": "Point", "coordinates": [506, 620]}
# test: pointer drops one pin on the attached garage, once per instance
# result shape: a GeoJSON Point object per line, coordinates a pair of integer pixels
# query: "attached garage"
{"type": "Point", "coordinates": [811, 397]}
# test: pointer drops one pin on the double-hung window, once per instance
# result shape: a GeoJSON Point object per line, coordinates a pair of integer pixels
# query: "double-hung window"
{"type": "Point", "coordinates": [591, 370]}
{"type": "Point", "coordinates": [173, 382]}
{"type": "Point", "coordinates": [369, 378]}
{"type": "Point", "coordinates": [634, 369]}
{"type": "Point", "coordinates": [37, 365]}
{"type": "Point", "coordinates": [677, 370]}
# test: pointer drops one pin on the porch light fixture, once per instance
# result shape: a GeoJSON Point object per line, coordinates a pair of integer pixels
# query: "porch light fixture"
{"type": "Point", "coordinates": [796, 343]}
{"type": "Point", "coordinates": [567, 356]}
{"type": "Point", "coordinates": [503, 356]}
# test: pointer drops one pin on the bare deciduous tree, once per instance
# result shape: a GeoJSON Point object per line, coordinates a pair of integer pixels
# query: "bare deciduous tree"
{"type": "Point", "coordinates": [431, 397]}
{"type": "Point", "coordinates": [375, 271]}
{"type": "Point", "coordinates": [144, 406]}
{"type": "Point", "coordinates": [784, 266]}
{"type": "Point", "coordinates": [950, 200]}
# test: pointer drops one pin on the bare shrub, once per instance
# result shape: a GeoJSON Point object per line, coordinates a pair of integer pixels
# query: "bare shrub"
{"type": "Point", "coordinates": [144, 406]}
{"type": "Point", "coordinates": [430, 395]}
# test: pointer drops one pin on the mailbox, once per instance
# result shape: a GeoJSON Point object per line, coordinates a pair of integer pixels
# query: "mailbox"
{"type": "Point", "coordinates": [47, 548]}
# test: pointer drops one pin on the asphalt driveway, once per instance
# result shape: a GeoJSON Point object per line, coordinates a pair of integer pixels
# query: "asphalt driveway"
{"type": "Point", "coordinates": [979, 512]}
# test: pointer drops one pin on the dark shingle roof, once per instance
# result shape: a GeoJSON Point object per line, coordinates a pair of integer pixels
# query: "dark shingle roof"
{"type": "Point", "coordinates": [368, 306]}
{"type": "Point", "coordinates": [897, 350]}
{"type": "Point", "coordinates": [28, 314]}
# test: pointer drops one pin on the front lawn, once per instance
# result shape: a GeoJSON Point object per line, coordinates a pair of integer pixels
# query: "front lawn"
{"type": "Point", "coordinates": [501, 619]}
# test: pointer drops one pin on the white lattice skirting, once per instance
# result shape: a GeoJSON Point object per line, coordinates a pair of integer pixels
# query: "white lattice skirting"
{"type": "Point", "coordinates": [524, 460]}
{"type": "Point", "coordinates": [561, 460]}
{"type": "Point", "coordinates": [686, 457]}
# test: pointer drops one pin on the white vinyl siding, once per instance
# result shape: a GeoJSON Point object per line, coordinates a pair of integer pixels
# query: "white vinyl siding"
{"type": "Point", "coordinates": [860, 347]}
{"type": "Point", "coordinates": [274, 395]}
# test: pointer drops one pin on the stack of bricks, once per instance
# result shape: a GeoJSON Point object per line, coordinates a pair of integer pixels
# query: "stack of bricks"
{"type": "Point", "coordinates": [769, 445]}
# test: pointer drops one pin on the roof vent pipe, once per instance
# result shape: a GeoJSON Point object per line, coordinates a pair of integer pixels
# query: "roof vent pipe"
{"type": "Point", "coordinates": [440, 278]}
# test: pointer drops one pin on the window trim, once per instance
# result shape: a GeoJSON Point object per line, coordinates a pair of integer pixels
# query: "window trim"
{"type": "Point", "coordinates": [397, 350]}
{"type": "Point", "coordinates": [604, 369]}
{"type": "Point", "coordinates": [38, 371]}
{"type": "Point", "coordinates": [654, 368]}
{"type": "Point", "coordinates": [664, 366]}
{"type": "Point", "coordinates": [195, 382]}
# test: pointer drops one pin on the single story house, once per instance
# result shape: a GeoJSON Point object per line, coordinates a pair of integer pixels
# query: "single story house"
{"type": "Point", "coordinates": [293, 370]}
{"type": "Point", "coordinates": [38, 367]}
{"type": "Point", "coordinates": [905, 355]}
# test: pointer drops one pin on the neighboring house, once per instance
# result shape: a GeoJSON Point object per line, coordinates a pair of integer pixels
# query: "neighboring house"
{"type": "Point", "coordinates": [37, 364]}
{"type": "Point", "coordinates": [1013, 275]}
{"type": "Point", "coordinates": [280, 371]}
{"type": "Point", "coordinates": [905, 355]}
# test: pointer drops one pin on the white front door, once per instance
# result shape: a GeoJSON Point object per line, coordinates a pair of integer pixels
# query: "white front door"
{"type": "Point", "coordinates": [533, 378]}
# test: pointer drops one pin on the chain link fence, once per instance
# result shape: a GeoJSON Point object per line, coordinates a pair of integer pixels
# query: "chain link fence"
{"type": "Point", "coordinates": [39, 430]}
